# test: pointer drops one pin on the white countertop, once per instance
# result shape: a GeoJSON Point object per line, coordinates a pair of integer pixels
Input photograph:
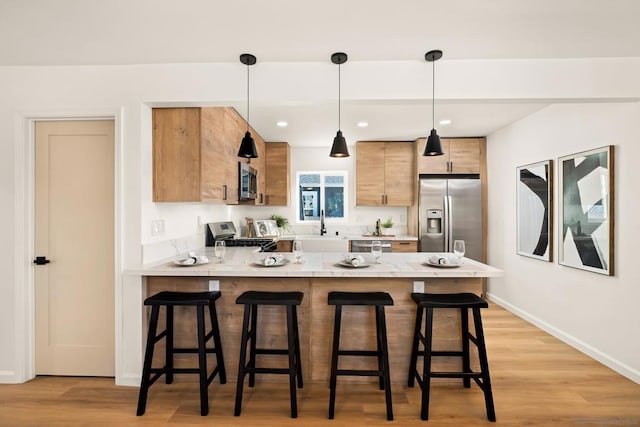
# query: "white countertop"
{"type": "Point", "coordinates": [246, 262]}
{"type": "Point", "coordinates": [345, 237]}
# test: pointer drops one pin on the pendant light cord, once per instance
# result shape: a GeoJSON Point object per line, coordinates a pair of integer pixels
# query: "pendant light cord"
{"type": "Point", "coordinates": [247, 98]}
{"type": "Point", "coordinates": [339, 65]}
{"type": "Point", "coordinates": [433, 97]}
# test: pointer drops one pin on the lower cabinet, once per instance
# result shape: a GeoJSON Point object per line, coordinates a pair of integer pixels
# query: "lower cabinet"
{"type": "Point", "coordinates": [404, 246]}
{"type": "Point", "coordinates": [284, 245]}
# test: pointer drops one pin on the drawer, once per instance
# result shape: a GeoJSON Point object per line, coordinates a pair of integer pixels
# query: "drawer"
{"type": "Point", "coordinates": [404, 246]}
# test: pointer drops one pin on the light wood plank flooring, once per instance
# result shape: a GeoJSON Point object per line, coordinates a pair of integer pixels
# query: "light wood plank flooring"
{"type": "Point", "coordinates": [537, 381]}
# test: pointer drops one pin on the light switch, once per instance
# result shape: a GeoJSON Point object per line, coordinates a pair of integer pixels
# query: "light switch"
{"type": "Point", "coordinates": [157, 227]}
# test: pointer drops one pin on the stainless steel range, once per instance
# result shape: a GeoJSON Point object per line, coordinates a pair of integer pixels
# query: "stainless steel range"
{"type": "Point", "coordinates": [227, 231]}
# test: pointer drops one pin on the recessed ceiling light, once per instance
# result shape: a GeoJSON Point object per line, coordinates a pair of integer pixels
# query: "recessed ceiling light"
{"type": "Point", "coordinates": [362, 124]}
{"type": "Point", "coordinates": [282, 124]}
{"type": "Point", "coordinates": [445, 122]}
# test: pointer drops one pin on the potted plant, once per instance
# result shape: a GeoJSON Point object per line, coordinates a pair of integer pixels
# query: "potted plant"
{"type": "Point", "coordinates": [282, 223]}
{"type": "Point", "coordinates": [387, 226]}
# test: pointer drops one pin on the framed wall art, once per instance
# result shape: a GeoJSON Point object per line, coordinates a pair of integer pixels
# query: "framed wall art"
{"type": "Point", "coordinates": [534, 206]}
{"type": "Point", "coordinates": [586, 210]}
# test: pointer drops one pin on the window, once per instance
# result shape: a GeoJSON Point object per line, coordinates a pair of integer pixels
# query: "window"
{"type": "Point", "coordinates": [319, 191]}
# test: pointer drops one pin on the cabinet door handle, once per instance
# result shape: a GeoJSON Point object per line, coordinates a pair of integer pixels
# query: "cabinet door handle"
{"type": "Point", "coordinates": [382, 199]}
{"type": "Point", "coordinates": [451, 166]}
{"type": "Point", "coordinates": [386, 199]}
{"type": "Point", "coordinates": [224, 192]}
{"type": "Point", "coordinates": [266, 199]}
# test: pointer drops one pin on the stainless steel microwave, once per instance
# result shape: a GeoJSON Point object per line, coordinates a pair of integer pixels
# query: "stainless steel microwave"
{"type": "Point", "coordinates": [248, 186]}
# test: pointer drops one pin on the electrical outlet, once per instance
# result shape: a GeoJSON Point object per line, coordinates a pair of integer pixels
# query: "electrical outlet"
{"type": "Point", "coordinates": [418, 287]}
{"type": "Point", "coordinates": [157, 227]}
{"type": "Point", "coordinates": [214, 285]}
{"type": "Point", "coordinates": [200, 220]}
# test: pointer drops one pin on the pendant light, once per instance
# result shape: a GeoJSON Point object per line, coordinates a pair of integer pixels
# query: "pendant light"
{"type": "Point", "coordinates": [248, 145]}
{"type": "Point", "coordinates": [339, 147]}
{"type": "Point", "coordinates": [433, 147]}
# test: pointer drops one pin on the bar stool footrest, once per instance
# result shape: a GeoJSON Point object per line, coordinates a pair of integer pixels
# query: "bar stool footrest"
{"type": "Point", "coordinates": [271, 351]}
{"type": "Point", "coordinates": [192, 350]}
{"type": "Point", "coordinates": [358, 353]}
{"type": "Point", "coordinates": [455, 375]}
{"type": "Point", "coordinates": [359, 373]}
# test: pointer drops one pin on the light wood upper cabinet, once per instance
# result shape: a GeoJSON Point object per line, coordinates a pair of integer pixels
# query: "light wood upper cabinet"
{"type": "Point", "coordinates": [195, 154]}
{"type": "Point", "coordinates": [277, 165]}
{"type": "Point", "coordinates": [259, 165]}
{"type": "Point", "coordinates": [176, 155]}
{"type": "Point", "coordinates": [461, 156]}
{"type": "Point", "coordinates": [384, 173]}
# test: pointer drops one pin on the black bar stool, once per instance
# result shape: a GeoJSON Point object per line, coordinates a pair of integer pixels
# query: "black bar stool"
{"type": "Point", "coordinates": [463, 301]}
{"type": "Point", "coordinates": [377, 300]}
{"type": "Point", "coordinates": [170, 299]}
{"type": "Point", "coordinates": [251, 301]}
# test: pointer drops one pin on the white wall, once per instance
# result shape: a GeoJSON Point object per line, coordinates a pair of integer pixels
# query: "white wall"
{"type": "Point", "coordinates": [130, 90]}
{"type": "Point", "coordinates": [598, 314]}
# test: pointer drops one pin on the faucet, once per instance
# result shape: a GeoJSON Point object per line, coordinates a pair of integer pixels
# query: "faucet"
{"type": "Point", "coordinates": [323, 229]}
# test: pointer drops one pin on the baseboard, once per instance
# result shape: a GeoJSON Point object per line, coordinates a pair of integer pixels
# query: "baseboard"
{"type": "Point", "coordinates": [619, 367]}
{"type": "Point", "coordinates": [130, 380]}
{"type": "Point", "coordinates": [9, 377]}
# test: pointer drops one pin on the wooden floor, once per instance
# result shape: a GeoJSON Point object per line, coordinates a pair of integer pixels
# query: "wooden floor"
{"type": "Point", "coordinates": [537, 381]}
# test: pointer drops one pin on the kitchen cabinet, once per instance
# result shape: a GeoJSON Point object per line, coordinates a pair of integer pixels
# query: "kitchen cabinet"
{"type": "Point", "coordinates": [404, 246]}
{"type": "Point", "coordinates": [259, 165]}
{"type": "Point", "coordinates": [461, 156]}
{"type": "Point", "coordinates": [284, 245]}
{"type": "Point", "coordinates": [195, 154]}
{"type": "Point", "coordinates": [384, 173]}
{"type": "Point", "coordinates": [277, 165]}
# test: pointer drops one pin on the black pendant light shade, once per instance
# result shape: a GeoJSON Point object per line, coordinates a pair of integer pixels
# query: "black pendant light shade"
{"type": "Point", "coordinates": [339, 146]}
{"type": "Point", "coordinates": [433, 146]}
{"type": "Point", "coordinates": [248, 145]}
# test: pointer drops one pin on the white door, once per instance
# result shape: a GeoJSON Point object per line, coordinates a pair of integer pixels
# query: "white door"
{"type": "Point", "coordinates": [74, 229]}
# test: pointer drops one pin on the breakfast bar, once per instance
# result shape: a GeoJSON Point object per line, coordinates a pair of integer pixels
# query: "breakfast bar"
{"type": "Point", "coordinates": [244, 269]}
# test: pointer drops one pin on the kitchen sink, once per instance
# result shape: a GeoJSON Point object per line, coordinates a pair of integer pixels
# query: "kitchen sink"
{"type": "Point", "coordinates": [318, 243]}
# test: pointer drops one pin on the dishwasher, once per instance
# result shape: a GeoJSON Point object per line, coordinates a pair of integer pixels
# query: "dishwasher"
{"type": "Point", "coordinates": [365, 245]}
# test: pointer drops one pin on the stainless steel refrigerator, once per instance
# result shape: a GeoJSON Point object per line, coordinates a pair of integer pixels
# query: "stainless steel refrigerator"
{"type": "Point", "coordinates": [451, 209]}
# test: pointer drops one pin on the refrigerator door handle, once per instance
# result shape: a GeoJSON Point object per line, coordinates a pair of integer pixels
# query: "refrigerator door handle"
{"type": "Point", "coordinates": [447, 225]}
{"type": "Point", "coordinates": [450, 222]}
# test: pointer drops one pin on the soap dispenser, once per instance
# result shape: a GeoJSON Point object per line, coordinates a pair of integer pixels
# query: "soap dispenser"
{"type": "Point", "coordinates": [378, 227]}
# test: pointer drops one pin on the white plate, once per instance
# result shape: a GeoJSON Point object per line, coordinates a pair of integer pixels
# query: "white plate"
{"type": "Point", "coordinates": [282, 262]}
{"type": "Point", "coordinates": [348, 264]}
{"type": "Point", "coordinates": [442, 265]}
{"type": "Point", "coordinates": [182, 264]}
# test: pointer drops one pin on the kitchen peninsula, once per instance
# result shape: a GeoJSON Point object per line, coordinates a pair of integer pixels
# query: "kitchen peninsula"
{"type": "Point", "coordinates": [400, 274]}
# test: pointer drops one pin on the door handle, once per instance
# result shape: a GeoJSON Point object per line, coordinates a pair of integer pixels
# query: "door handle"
{"type": "Point", "coordinates": [224, 192]}
{"type": "Point", "coordinates": [382, 198]}
{"type": "Point", "coordinates": [41, 260]}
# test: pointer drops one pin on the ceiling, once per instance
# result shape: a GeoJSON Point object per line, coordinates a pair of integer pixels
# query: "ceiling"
{"type": "Point", "coordinates": [116, 32]}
